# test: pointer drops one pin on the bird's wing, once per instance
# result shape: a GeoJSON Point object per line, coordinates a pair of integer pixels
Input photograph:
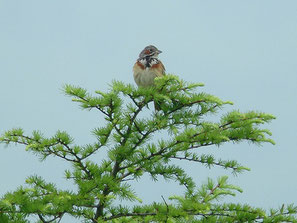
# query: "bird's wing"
{"type": "Point", "coordinates": [159, 68]}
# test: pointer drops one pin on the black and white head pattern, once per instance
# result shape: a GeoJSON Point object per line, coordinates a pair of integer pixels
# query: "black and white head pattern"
{"type": "Point", "coordinates": [149, 56]}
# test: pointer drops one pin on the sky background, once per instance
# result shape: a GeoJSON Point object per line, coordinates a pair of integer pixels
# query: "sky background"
{"type": "Point", "coordinates": [243, 51]}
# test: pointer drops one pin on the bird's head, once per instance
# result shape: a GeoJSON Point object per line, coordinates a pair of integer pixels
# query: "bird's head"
{"type": "Point", "coordinates": [150, 51]}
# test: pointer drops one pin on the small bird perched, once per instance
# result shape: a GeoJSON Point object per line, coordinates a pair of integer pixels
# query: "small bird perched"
{"type": "Point", "coordinates": [148, 67]}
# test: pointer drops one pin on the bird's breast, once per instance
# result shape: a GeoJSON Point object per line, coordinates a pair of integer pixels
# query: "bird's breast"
{"type": "Point", "coordinates": [144, 77]}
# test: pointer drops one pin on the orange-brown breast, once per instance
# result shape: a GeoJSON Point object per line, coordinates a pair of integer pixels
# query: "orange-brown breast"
{"type": "Point", "coordinates": [159, 68]}
{"type": "Point", "coordinates": [140, 65]}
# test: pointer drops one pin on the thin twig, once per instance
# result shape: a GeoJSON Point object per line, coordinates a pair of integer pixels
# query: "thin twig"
{"type": "Point", "coordinates": [167, 207]}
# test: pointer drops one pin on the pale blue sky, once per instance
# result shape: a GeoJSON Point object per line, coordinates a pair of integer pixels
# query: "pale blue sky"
{"type": "Point", "coordinates": [243, 51]}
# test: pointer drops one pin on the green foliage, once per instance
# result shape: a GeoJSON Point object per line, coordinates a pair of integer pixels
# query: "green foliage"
{"type": "Point", "coordinates": [128, 136]}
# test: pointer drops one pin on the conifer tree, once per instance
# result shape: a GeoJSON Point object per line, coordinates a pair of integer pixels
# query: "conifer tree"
{"type": "Point", "coordinates": [128, 136]}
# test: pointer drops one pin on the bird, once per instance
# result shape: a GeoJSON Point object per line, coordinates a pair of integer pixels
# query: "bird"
{"type": "Point", "coordinates": [147, 67]}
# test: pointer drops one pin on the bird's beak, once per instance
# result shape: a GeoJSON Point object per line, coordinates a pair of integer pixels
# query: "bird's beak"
{"type": "Point", "coordinates": [159, 51]}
